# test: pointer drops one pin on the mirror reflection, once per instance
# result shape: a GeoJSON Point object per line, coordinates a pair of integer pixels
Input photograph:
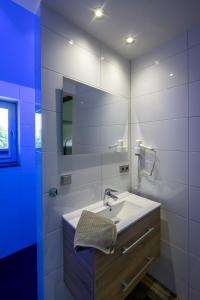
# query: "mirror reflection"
{"type": "Point", "coordinates": [93, 121]}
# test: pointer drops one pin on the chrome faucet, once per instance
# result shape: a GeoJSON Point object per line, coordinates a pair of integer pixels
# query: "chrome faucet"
{"type": "Point", "coordinates": [109, 193]}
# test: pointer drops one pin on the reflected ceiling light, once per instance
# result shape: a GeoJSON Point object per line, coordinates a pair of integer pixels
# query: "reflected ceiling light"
{"type": "Point", "coordinates": [99, 13]}
{"type": "Point", "coordinates": [130, 40]}
{"type": "Point", "coordinates": [71, 42]}
{"type": "Point", "coordinates": [171, 74]}
{"type": "Point", "coordinates": [157, 62]}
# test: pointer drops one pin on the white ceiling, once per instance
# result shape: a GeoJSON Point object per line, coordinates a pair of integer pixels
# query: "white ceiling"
{"type": "Point", "coordinates": [153, 22]}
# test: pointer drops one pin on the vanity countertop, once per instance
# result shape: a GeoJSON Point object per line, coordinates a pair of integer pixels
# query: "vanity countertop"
{"type": "Point", "coordinates": [128, 209]}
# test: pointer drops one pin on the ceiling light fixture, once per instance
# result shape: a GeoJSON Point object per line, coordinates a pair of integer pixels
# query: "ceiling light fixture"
{"type": "Point", "coordinates": [71, 42]}
{"type": "Point", "coordinates": [99, 13]}
{"type": "Point", "coordinates": [130, 40]}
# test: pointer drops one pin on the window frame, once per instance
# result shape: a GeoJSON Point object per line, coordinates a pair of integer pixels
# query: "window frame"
{"type": "Point", "coordinates": [10, 157]}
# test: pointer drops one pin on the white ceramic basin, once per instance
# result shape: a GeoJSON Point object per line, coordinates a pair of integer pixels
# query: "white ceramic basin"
{"type": "Point", "coordinates": [128, 209]}
{"type": "Point", "coordinates": [120, 211]}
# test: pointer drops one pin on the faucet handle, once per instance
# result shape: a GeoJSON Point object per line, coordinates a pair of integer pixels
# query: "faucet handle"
{"type": "Point", "coordinates": [109, 191]}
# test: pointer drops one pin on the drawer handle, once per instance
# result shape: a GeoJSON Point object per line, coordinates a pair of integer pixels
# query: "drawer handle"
{"type": "Point", "coordinates": [138, 241]}
{"type": "Point", "coordinates": [134, 279]}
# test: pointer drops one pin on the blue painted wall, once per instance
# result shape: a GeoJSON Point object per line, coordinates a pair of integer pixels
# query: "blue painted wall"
{"type": "Point", "coordinates": [17, 40]}
{"type": "Point", "coordinates": [19, 77]}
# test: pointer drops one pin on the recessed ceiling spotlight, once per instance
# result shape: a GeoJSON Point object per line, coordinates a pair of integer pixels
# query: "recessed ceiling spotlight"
{"type": "Point", "coordinates": [171, 74]}
{"type": "Point", "coordinates": [71, 42]}
{"type": "Point", "coordinates": [99, 13]}
{"type": "Point", "coordinates": [157, 62]}
{"type": "Point", "coordinates": [130, 40]}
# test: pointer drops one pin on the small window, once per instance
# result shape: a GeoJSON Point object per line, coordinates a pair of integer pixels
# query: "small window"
{"type": "Point", "coordinates": [8, 133]}
{"type": "Point", "coordinates": [38, 130]}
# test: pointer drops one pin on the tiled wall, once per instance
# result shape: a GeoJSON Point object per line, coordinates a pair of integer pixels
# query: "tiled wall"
{"type": "Point", "coordinates": [165, 113]}
{"type": "Point", "coordinates": [90, 173]}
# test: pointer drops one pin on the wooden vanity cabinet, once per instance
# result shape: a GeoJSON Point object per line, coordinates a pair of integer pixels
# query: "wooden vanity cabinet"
{"type": "Point", "coordinates": [93, 275]}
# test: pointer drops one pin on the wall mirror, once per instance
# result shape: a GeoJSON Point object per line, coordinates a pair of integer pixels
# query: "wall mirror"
{"type": "Point", "coordinates": [93, 121]}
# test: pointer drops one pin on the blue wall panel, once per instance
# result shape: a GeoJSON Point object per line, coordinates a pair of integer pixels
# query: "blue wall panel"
{"type": "Point", "coordinates": [17, 49]}
{"type": "Point", "coordinates": [19, 78]}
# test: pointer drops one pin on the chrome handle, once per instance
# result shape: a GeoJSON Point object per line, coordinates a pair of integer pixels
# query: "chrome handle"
{"type": "Point", "coordinates": [53, 192]}
{"type": "Point", "coordinates": [133, 280]}
{"type": "Point", "coordinates": [149, 230]}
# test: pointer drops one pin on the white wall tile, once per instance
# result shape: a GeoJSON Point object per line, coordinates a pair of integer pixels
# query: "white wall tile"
{"type": "Point", "coordinates": [171, 269]}
{"type": "Point", "coordinates": [53, 251]}
{"type": "Point", "coordinates": [157, 77]}
{"type": "Point", "coordinates": [173, 196]}
{"type": "Point", "coordinates": [170, 166]}
{"type": "Point", "coordinates": [194, 204]}
{"type": "Point", "coordinates": [49, 131]}
{"type": "Point", "coordinates": [49, 171]}
{"type": "Point", "coordinates": [194, 101]}
{"type": "Point", "coordinates": [173, 47]}
{"type": "Point", "coordinates": [51, 90]}
{"type": "Point", "coordinates": [69, 60]}
{"type": "Point", "coordinates": [114, 58]}
{"type": "Point", "coordinates": [164, 135]}
{"type": "Point", "coordinates": [194, 243]}
{"type": "Point", "coordinates": [194, 273]}
{"type": "Point", "coordinates": [194, 167]}
{"type": "Point", "coordinates": [58, 24]}
{"type": "Point", "coordinates": [111, 163]}
{"type": "Point", "coordinates": [178, 237]}
{"type": "Point", "coordinates": [166, 104]}
{"type": "Point", "coordinates": [119, 183]}
{"type": "Point", "coordinates": [194, 142]}
{"type": "Point", "coordinates": [84, 168]}
{"type": "Point", "coordinates": [54, 286]}
{"type": "Point", "coordinates": [115, 79]}
{"type": "Point", "coordinates": [194, 36]}
{"type": "Point", "coordinates": [68, 199]}
{"type": "Point", "coordinates": [194, 70]}
{"type": "Point", "coordinates": [147, 81]}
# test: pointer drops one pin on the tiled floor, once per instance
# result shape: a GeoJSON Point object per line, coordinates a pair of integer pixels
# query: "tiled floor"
{"type": "Point", "coordinates": [150, 289]}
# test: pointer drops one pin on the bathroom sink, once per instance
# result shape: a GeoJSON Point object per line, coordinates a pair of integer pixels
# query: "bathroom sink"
{"type": "Point", "coordinates": [128, 209]}
{"type": "Point", "coordinates": [120, 211]}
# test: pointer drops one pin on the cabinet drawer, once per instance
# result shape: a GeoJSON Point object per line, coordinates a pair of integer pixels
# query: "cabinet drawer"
{"type": "Point", "coordinates": [122, 276]}
{"type": "Point", "coordinates": [127, 240]}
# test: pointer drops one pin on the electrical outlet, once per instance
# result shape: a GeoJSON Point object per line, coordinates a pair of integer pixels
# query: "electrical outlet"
{"type": "Point", "coordinates": [65, 179]}
{"type": "Point", "coordinates": [123, 169]}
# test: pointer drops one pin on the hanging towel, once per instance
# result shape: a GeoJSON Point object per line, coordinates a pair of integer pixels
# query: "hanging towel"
{"type": "Point", "coordinates": [95, 231]}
